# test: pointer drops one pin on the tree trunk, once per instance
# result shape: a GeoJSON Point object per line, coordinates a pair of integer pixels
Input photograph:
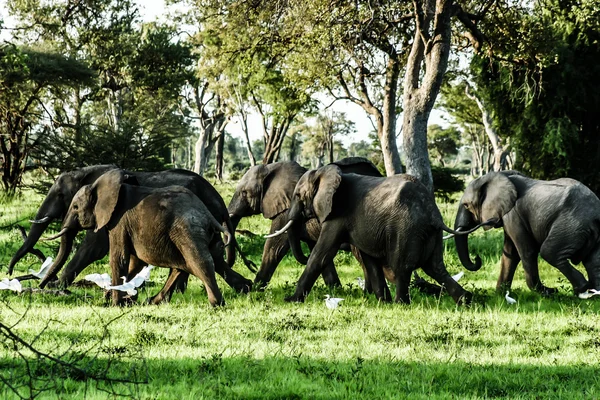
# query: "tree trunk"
{"type": "Point", "coordinates": [273, 138]}
{"type": "Point", "coordinates": [244, 121]}
{"type": "Point", "coordinates": [430, 53]}
{"type": "Point", "coordinates": [499, 153]}
{"type": "Point", "coordinates": [219, 157]}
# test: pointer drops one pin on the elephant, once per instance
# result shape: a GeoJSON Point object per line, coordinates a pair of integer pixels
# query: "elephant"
{"type": "Point", "coordinates": [392, 221]}
{"type": "Point", "coordinates": [167, 226]}
{"type": "Point", "coordinates": [268, 189]}
{"type": "Point", "coordinates": [558, 219]}
{"type": "Point", "coordinates": [95, 244]}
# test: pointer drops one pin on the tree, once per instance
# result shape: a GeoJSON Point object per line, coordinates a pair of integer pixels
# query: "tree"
{"type": "Point", "coordinates": [319, 143]}
{"type": "Point", "coordinates": [443, 142]}
{"type": "Point", "coordinates": [26, 76]}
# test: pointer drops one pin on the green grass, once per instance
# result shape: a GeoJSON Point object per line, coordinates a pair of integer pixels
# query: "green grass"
{"type": "Point", "coordinates": [257, 346]}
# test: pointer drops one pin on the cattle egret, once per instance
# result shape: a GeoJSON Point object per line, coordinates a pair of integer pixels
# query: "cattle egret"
{"type": "Point", "coordinates": [125, 287]}
{"type": "Point", "coordinates": [12, 284]}
{"type": "Point", "coordinates": [509, 299]}
{"type": "Point", "coordinates": [361, 283]}
{"type": "Point", "coordinates": [332, 302]}
{"type": "Point", "coordinates": [102, 280]}
{"type": "Point", "coordinates": [458, 276]}
{"type": "Point", "coordinates": [135, 282]}
{"type": "Point", "coordinates": [588, 293]}
{"type": "Point", "coordinates": [43, 270]}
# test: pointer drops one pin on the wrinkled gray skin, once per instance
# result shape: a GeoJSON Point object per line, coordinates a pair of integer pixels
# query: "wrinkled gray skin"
{"type": "Point", "coordinates": [168, 227]}
{"type": "Point", "coordinates": [392, 221]}
{"type": "Point", "coordinates": [267, 190]}
{"type": "Point", "coordinates": [559, 220]}
{"type": "Point", "coordinates": [95, 245]}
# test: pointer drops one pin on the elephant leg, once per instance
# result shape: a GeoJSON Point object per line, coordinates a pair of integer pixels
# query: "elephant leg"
{"type": "Point", "coordinates": [435, 268]}
{"type": "Point", "coordinates": [374, 271]}
{"type": "Point", "coordinates": [528, 251]}
{"type": "Point", "coordinates": [233, 278]}
{"type": "Point", "coordinates": [93, 248]}
{"type": "Point", "coordinates": [199, 262]}
{"type": "Point", "coordinates": [330, 275]}
{"type": "Point", "coordinates": [426, 287]}
{"type": "Point", "coordinates": [508, 265]}
{"type": "Point", "coordinates": [560, 259]}
{"type": "Point", "coordinates": [273, 252]}
{"type": "Point", "coordinates": [592, 266]}
{"type": "Point", "coordinates": [323, 253]}
{"type": "Point", "coordinates": [119, 263]}
{"type": "Point", "coordinates": [358, 255]}
{"type": "Point", "coordinates": [164, 296]}
{"type": "Point", "coordinates": [402, 286]}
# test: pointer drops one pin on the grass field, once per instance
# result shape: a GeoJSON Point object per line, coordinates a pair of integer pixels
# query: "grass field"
{"type": "Point", "coordinates": [257, 346]}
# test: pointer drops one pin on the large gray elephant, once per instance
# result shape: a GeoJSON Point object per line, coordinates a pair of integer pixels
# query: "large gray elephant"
{"type": "Point", "coordinates": [95, 244]}
{"type": "Point", "coordinates": [559, 220]}
{"type": "Point", "coordinates": [392, 221]}
{"type": "Point", "coordinates": [267, 190]}
{"type": "Point", "coordinates": [167, 227]}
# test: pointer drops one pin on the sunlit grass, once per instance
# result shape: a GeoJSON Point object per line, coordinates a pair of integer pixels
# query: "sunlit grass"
{"type": "Point", "coordinates": [257, 346]}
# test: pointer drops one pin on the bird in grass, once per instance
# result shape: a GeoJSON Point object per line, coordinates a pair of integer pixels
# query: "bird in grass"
{"type": "Point", "coordinates": [361, 283]}
{"type": "Point", "coordinates": [102, 280]}
{"type": "Point", "coordinates": [12, 284]}
{"type": "Point", "coordinates": [135, 282]}
{"type": "Point", "coordinates": [588, 293]}
{"type": "Point", "coordinates": [509, 299]}
{"type": "Point", "coordinates": [458, 276]}
{"type": "Point", "coordinates": [332, 302]}
{"type": "Point", "coordinates": [43, 269]}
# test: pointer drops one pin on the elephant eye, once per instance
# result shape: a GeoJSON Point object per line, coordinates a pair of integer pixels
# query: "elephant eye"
{"type": "Point", "coordinates": [244, 193]}
{"type": "Point", "coordinates": [75, 207]}
{"type": "Point", "coordinates": [466, 206]}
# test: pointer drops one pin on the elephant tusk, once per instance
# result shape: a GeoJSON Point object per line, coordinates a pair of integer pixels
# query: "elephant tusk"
{"type": "Point", "coordinates": [281, 231]}
{"type": "Point", "coordinates": [39, 221]}
{"type": "Point", "coordinates": [59, 234]}
{"type": "Point", "coordinates": [452, 234]}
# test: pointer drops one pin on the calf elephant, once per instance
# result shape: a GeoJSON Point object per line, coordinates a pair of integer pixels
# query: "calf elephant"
{"type": "Point", "coordinates": [559, 220]}
{"type": "Point", "coordinates": [268, 189]}
{"type": "Point", "coordinates": [392, 221]}
{"type": "Point", "coordinates": [95, 244]}
{"type": "Point", "coordinates": [167, 226]}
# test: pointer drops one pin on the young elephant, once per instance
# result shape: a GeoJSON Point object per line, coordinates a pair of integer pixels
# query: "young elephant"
{"type": "Point", "coordinates": [559, 220]}
{"type": "Point", "coordinates": [392, 221]}
{"type": "Point", "coordinates": [167, 227]}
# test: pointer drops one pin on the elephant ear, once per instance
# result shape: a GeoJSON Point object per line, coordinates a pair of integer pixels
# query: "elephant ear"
{"type": "Point", "coordinates": [327, 180]}
{"type": "Point", "coordinates": [498, 196]}
{"type": "Point", "coordinates": [106, 189]}
{"type": "Point", "coordinates": [278, 187]}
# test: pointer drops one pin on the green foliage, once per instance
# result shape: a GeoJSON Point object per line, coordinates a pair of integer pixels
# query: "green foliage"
{"type": "Point", "coordinates": [548, 98]}
{"type": "Point", "coordinates": [443, 143]}
{"type": "Point", "coordinates": [445, 183]}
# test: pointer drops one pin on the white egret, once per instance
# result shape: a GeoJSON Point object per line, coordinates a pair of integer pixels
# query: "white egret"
{"type": "Point", "coordinates": [43, 269]}
{"type": "Point", "coordinates": [128, 287]}
{"type": "Point", "coordinates": [102, 280]}
{"type": "Point", "coordinates": [12, 284]}
{"type": "Point", "coordinates": [361, 283]}
{"type": "Point", "coordinates": [332, 302]}
{"type": "Point", "coordinates": [588, 293]}
{"type": "Point", "coordinates": [509, 299]}
{"type": "Point", "coordinates": [458, 276]}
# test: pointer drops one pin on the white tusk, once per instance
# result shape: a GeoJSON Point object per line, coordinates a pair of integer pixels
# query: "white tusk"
{"type": "Point", "coordinates": [281, 231]}
{"type": "Point", "coordinates": [39, 221]}
{"type": "Point", "coordinates": [59, 234]}
{"type": "Point", "coordinates": [452, 234]}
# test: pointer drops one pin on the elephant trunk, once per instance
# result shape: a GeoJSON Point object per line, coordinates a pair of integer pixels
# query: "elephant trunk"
{"type": "Point", "coordinates": [465, 221]}
{"type": "Point", "coordinates": [294, 232]}
{"type": "Point", "coordinates": [230, 248]}
{"type": "Point", "coordinates": [66, 244]}
{"type": "Point", "coordinates": [36, 231]}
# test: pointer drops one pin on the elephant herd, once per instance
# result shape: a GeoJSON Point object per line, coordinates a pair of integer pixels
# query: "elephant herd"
{"type": "Point", "coordinates": [176, 219]}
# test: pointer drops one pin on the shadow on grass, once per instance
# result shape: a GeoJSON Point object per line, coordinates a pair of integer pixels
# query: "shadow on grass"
{"type": "Point", "coordinates": [302, 377]}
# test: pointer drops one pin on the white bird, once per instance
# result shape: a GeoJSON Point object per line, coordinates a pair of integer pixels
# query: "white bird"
{"type": "Point", "coordinates": [102, 280]}
{"type": "Point", "coordinates": [332, 302]}
{"type": "Point", "coordinates": [458, 276]}
{"type": "Point", "coordinates": [43, 269]}
{"type": "Point", "coordinates": [125, 287]}
{"type": "Point", "coordinates": [12, 284]}
{"type": "Point", "coordinates": [509, 299]}
{"type": "Point", "coordinates": [361, 283]}
{"type": "Point", "coordinates": [135, 282]}
{"type": "Point", "coordinates": [588, 293]}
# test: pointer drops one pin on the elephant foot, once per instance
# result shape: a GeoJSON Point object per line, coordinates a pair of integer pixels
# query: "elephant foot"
{"type": "Point", "coordinates": [546, 291]}
{"type": "Point", "coordinates": [294, 299]}
{"type": "Point", "coordinates": [243, 286]}
{"type": "Point", "coordinates": [465, 299]}
{"type": "Point", "coordinates": [259, 286]}
{"type": "Point", "coordinates": [427, 288]}
{"type": "Point", "coordinates": [56, 284]}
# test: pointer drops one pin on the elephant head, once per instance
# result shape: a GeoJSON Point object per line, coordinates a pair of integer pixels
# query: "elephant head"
{"type": "Point", "coordinates": [265, 189]}
{"type": "Point", "coordinates": [313, 198]}
{"type": "Point", "coordinates": [486, 199]}
{"type": "Point", "coordinates": [56, 203]}
{"type": "Point", "coordinates": [92, 207]}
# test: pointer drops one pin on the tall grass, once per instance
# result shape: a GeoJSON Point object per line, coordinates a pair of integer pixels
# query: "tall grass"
{"type": "Point", "coordinates": [257, 346]}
